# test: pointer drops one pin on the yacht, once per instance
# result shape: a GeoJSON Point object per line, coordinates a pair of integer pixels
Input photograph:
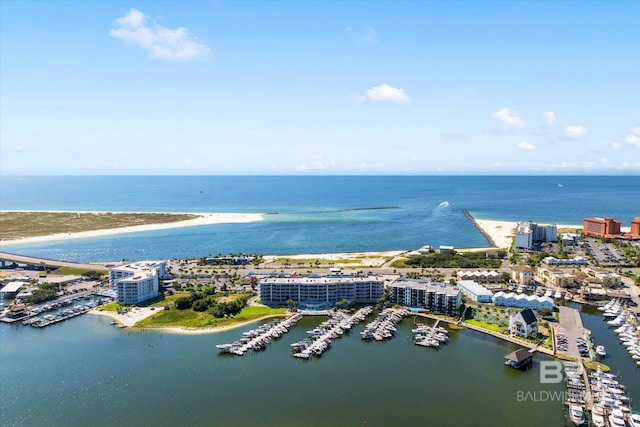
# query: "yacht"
{"type": "Point", "coordinates": [616, 418]}
{"type": "Point", "coordinates": [598, 416]}
{"type": "Point", "coordinates": [577, 414]}
{"type": "Point", "coordinates": [634, 419]}
{"type": "Point", "coordinates": [600, 351]}
{"type": "Point", "coordinates": [618, 321]}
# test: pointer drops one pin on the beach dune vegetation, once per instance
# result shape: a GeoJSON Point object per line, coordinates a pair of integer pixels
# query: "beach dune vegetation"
{"type": "Point", "coordinates": [452, 259]}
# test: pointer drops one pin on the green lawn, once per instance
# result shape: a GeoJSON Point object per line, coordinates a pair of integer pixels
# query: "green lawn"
{"type": "Point", "coordinates": [184, 318]}
{"type": "Point", "coordinates": [593, 366]}
{"type": "Point", "coordinates": [484, 325]}
{"type": "Point", "coordinates": [112, 306]}
{"type": "Point", "coordinates": [193, 319]}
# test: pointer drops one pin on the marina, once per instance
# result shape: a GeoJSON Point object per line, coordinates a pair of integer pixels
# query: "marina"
{"type": "Point", "coordinates": [319, 339]}
{"type": "Point", "coordinates": [626, 326]}
{"type": "Point", "coordinates": [430, 336]}
{"type": "Point", "coordinates": [384, 326]}
{"type": "Point", "coordinates": [257, 339]}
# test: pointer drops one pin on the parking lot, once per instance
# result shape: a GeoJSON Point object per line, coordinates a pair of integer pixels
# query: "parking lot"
{"type": "Point", "coordinates": [605, 253]}
{"type": "Point", "coordinates": [572, 328]}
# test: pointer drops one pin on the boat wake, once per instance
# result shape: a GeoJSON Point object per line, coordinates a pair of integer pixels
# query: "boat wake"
{"type": "Point", "coordinates": [443, 204]}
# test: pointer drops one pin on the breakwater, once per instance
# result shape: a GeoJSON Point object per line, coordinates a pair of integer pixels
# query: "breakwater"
{"type": "Point", "coordinates": [473, 221]}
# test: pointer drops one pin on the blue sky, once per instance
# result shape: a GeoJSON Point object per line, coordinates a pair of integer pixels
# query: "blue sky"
{"type": "Point", "coordinates": [362, 87]}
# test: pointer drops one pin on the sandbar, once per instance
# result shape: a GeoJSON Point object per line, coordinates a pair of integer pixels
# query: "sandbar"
{"type": "Point", "coordinates": [202, 219]}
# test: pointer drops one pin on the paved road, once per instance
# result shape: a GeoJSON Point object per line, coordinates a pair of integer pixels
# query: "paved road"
{"type": "Point", "coordinates": [20, 259]}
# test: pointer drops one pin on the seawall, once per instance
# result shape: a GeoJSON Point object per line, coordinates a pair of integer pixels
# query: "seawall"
{"type": "Point", "coordinates": [473, 221]}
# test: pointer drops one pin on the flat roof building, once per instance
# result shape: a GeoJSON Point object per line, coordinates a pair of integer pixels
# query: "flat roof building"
{"type": "Point", "coordinates": [137, 282]}
{"type": "Point", "coordinates": [601, 227]}
{"type": "Point", "coordinates": [635, 227]}
{"type": "Point", "coordinates": [475, 291]}
{"type": "Point", "coordinates": [10, 290]}
{"type": "Point", "coordinates": [529, 233]}
{"type": "Point", "coordinates": [434, 296]}
{"type": "Point", "coordinates": [317, 291]}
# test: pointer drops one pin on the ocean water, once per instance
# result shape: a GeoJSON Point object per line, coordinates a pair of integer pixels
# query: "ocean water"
{"type": "Point", "coordinates": [313, 214]}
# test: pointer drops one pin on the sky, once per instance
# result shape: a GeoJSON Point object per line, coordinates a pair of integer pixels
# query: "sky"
{"type": "Point", "coordinates": [323, 88]}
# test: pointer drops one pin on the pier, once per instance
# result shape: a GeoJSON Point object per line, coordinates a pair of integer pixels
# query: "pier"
{"type": "Point", "coordinates": [384, 326]}
{"type": "Point", "coordinates": [320, 338]}
{"type": "Point", "coordinates": [257, 339]}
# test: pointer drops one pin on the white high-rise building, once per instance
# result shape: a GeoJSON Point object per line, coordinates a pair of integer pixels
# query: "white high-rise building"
{"type": "Point", "coordinates": [137, 281]}
{"type": "Point", "coordinates": [529, 233]}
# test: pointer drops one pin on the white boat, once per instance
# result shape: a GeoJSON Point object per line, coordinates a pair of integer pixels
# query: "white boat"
{"type": "Point", "coordinates": [598, 416]}
{"type": "Point", "coordinates": [618, 321]}
{"type": "Point", "coordinates": [576, 413]}
{"type": "Point", "coordinates": [558, 294]}
{"type": "Point", "coordinates": [600, 351]}
{"type": "Point", "coordinates": [616, 418]}
{"type": "Point", "coordinates": [549, 293]}
{"type": "Point", "coordinates": [634, 419]}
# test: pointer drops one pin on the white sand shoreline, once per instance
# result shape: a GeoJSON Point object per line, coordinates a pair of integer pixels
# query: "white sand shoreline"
{"type": "Point", "coordinates": [502, 232]}
{"type": "Point", "coordinates": [202, 219]}
{"type": "Point", "coordinates": [137, 314]}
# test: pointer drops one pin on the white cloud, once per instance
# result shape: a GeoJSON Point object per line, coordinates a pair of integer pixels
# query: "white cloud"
{"type": "Point", "coordinates": [158, 41]}
{"type": "Point", "coordinates": [317, 162]}
{"type": "Point", "coordinates": [616, 145]}
{"type": "Point", "coordinates": [369, 35]}
{"type": "Point", "coordinates": [507, 116]}
{"type": "Point", "coordinates": [384, 92]}
{"type": "Point", "coordinates": [526, 146]}
{"type": "Point", "coordinates": [575, 131]}
{"type": "Point", "coordinates": [550, 116]}
{"type": "Point", "coordinates": [634, 136]}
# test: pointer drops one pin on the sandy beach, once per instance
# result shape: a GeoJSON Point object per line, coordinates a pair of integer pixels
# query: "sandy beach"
{"type": "Point", "coordinates": [203, 219]}
{"type": "Point", "coordinates": [502, 232]}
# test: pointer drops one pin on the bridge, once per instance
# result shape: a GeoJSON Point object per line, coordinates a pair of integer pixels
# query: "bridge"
{"type": "Point", "coordinates": [46, 263]}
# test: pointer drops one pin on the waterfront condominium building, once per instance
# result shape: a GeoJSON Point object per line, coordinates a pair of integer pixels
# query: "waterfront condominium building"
{"type": "Point", "coordinates": [137, 281]}
{"type": "Point", "coordinates": [528, 234]}
{"type": "Point", "coordinates": [635, 227]}
{"type": "Point", "coordinates": [434, 296]}
{"type": "Point", "coordinates": [601, 227]}
{"type": "Point", "coordinates": [319, 292]}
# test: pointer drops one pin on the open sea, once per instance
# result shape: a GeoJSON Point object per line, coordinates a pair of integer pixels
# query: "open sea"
{"type": "Point", "coordinates": [85, 372]}
{"type": "Point", "coordinates": [312, 214]}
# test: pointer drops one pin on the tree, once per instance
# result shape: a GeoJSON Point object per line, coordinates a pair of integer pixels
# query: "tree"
{"type": "Point", "coordinates": [183, 303]}
{"type": "Point", "coordinates": [291, 303]}
{"type": "Point", "coordinates": [200, 305]}
{"type": "Point", "coordinates": [343, 303]}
